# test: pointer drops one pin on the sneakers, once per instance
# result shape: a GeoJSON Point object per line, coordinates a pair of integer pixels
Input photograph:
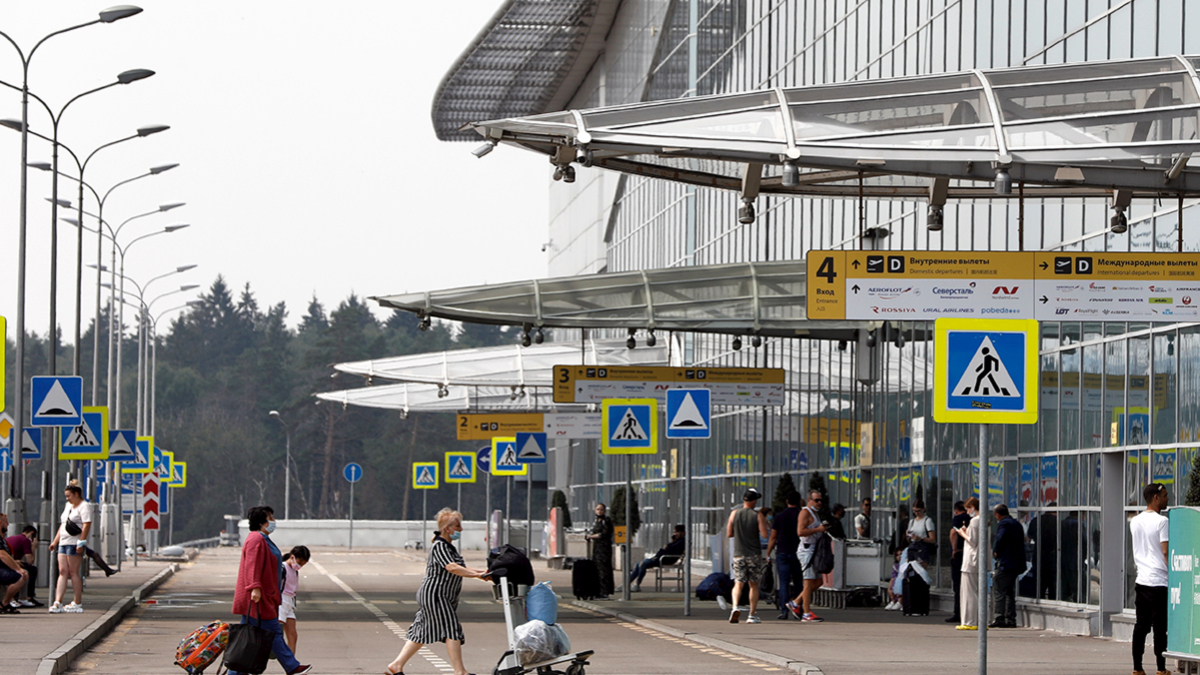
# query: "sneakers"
{"type": "Point", "coordinates": [722, 604]}
{"type": "Point", "coordinates": [966, 627]}
{"type": "Point", "coordinates": [301, 670]}
{"type": "Point", "coordinates": [735, 615]}
{"type": "Point", "coordinates": [794, 609]}
{"type": "Point", "coordinates": [25, 603]}
{"type": "Point", "coordinates": [893, 606]}
{"type": "Point", "coordinates": [753, 618]}
{"type": "Point", "coordinates": [34, 602]}
{"type": "Point", "coordinates": [73, 609]}
{"type": "Point", "coordinates": [635, 588]}
{"type": "Point", "coordinates": [783, 616]}
{"type": "Point", "coordinates": [811, 618]}
{"type": "Point", "coordinates": [56, 608]}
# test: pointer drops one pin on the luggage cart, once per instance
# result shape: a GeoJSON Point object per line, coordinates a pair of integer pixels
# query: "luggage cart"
{"type": "Point", "coordinates": [509, 664]}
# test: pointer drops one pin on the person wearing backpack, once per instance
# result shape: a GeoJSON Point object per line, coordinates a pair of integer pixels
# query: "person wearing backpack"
{"type": "Point", "coordinates": [812, 535]}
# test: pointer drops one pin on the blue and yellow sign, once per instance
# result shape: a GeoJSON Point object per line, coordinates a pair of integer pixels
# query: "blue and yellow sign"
{"type": "Point", "coordinates": [985, 371]}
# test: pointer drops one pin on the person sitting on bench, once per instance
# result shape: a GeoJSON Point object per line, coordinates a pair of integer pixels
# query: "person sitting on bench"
{"type": "Point", "coordinates": [672, 552]}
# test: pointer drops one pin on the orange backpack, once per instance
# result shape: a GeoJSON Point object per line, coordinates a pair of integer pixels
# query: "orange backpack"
{"type": "Point", "coordinates": [198, 650]}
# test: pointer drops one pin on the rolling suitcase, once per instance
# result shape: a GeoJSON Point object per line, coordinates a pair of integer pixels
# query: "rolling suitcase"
{"type": "Point", "coordinates": [916, 595]}
{"type": "Point", "coordinates": [585, 580]}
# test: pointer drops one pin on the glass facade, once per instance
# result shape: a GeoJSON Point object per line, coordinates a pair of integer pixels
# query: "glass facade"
{"type": "Point", "coordinates": [1107, 389]}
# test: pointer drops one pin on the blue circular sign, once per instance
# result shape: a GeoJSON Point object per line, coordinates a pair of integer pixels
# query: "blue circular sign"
{"type": "Point", "coordinates": [353, 472]}
{"type": "Point", "coordinates": [483, 459]}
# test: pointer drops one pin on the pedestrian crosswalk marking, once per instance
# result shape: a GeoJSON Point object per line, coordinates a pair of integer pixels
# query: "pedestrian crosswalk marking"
{"type": "Point", "coordinates": [425, 477]}
{"type": "Point", "coordinates": [509, 458]}
{"type": "Point", "coordinates": [986, 375]}
{"type": "Point", "coordinates": [629, 429]}
{"type": "Point", "coordinates": [460, 469]}
{"type": "Point", "coordinates": [80, 436]}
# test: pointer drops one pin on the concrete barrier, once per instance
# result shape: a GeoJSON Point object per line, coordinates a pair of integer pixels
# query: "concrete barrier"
{"type": "Point", "coordinates": [383, 533]}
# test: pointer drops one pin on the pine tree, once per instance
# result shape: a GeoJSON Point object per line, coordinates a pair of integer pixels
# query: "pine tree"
{"type": "Point", "coordinates": [1193, 491]}
{"type": "Point", "coordinates": [559, 499]}
{"type": "Point", "coordinates": [782, 490]}
{"type": "Point", "coordinates": [617, 512]}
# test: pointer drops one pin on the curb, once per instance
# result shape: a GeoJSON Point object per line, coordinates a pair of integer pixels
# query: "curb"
{"type": "Point", "coordinates": [799, 667]}
{"type": "Point", "coordinates": [59, 660]}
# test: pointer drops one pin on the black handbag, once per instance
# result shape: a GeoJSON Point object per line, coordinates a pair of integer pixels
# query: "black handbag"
{"type": "Point", "coordinates": [72, 528]}
{"type": "Point", "coordinates": [249, 647]}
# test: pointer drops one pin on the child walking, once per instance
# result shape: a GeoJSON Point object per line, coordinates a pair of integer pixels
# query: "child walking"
{"type": "Point", "coordinates": [292, 562]}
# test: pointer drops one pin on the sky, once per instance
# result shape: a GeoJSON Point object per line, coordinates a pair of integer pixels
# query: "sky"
{"type": "Point", "coordinates": [307, 159]}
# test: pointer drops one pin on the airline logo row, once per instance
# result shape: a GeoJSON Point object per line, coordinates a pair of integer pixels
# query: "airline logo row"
{"type": "Point", "coordinates": [857, 285]}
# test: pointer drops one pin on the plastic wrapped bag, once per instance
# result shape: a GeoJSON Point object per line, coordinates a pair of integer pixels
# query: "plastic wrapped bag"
{"type": "Point", "coordinates": [538, 641]}
{"type": "Point", "coordinates": [542, 604]}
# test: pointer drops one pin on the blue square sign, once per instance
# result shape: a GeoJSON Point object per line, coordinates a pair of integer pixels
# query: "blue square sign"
{"type": "Point", "coordinates": [985, 371]}
{"type": "Point", "coordinates": [629, 426]}
{"type": "Point", "coordinates": [57, 401]}
{"type": "Point", "coordinates": [689, 413]}
{"type": "Point", "coordinates": [531, 448]}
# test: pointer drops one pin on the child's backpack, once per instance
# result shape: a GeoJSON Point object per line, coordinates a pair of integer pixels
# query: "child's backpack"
{"type": "Point", "coordinates": [713, 585]}
{"type": "Point", "coordinates": [198, 650]}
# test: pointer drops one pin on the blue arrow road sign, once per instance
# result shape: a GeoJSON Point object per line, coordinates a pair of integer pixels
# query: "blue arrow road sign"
{"type": "Point", "coordinates": [5, 459]}
{"type": "Point", "coordinates": [57, 401]}
{"type": "Point", "coordinates": [689, 413]}
{"type": "Point", "coordinates": [483, 459]}
{"type": "Point", "coordinates": [353, 472]}
{"type": "Point", "coordinates": [531, 448]}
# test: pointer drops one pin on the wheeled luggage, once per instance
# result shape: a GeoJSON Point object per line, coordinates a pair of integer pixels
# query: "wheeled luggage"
{"type": "Point", "coordinates": [916, 595]}
{"type": "Point", "coordinates": [585, 580]}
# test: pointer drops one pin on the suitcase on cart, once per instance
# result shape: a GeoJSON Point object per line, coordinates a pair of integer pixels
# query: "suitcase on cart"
{"type": "Point", "coordinates": [585, 580]}
{"type": "Point", "coordinates": [916, 595]}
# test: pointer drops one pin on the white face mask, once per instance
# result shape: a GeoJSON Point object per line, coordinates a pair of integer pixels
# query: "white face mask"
{"type": "Point", "coordinates": [270, 526]}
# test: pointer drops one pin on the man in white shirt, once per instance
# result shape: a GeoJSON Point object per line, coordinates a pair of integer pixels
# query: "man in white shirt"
{"type": "Point", "coordinates": [1148, 535]}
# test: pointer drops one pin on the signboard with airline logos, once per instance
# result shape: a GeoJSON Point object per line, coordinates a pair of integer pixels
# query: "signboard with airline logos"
{"type": "Point", "coordinates": [1041, 285]}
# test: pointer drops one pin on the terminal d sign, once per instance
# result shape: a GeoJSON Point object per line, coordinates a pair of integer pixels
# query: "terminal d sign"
{"type": "Point", "coordinates": [1046, 286]}
{"type": "Point", "coordinates": [728, 386]}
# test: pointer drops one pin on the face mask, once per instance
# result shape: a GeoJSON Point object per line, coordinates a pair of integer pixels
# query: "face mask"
{"type": "Point", "coordinates": [270, 526]}
{"type": "Point", "coordinates": [456, 536]}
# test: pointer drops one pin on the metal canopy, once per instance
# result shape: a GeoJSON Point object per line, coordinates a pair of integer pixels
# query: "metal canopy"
{"type": "Point", "coordinates": [506, 366]}
{"type": "Point", "coordinates": [413, 397]}
{"type": "Point", "coordinates": [764, 298]}
{"type": "Point", "coordinates": [1081, 129]}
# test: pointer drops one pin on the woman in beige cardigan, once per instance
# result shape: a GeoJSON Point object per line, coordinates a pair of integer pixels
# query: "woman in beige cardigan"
{"type": "Point", "coordinates": [969, 611]}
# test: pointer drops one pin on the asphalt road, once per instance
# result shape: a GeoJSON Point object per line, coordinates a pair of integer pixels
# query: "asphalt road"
{"type": "Point", "coordinates": [353, 610]}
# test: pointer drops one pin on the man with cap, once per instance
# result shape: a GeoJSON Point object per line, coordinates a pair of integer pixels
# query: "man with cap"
{"type": "Point", "coordinates": [746, 526]}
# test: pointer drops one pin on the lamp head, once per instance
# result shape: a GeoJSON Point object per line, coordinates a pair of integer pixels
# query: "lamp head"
{"type": "Point", "coordinates": [194, 303]}
{"type": "Point", "coordinates": [65, 203]}
{"type": "Point", "coordinates": [172, 205]}
{"type": "Point", "coordinates": [134, 75]}
{"type": "Point", "coordinates": [44, 166]}
{"type": "Point", "coordinates": [184, 268]}
{"type": "Point", "coordinates": [118, 12]}
{"type": "Point", "coordinates": [176, 228]}
{"type": "Point", "coordinates": [1003, 184]}
{"type": "Point", "coordinates": [273, 413]}
{"type": "Point", "coordinates": [152, 129]}
{"type": "Point", "coordinates": [15, 125]}
{"type": "Point", "coordinates": [188, 287]}
{"type": "Point", "coordinates": [70, 221]}
{"type": "Point", "coordinates": [155, 170]}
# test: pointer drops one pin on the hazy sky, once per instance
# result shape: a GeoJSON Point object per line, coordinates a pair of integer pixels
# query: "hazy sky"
{"type": "Point", "coordinates": [307, 158]}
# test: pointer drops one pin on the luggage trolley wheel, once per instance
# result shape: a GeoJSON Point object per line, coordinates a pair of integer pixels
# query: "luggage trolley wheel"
{"type": "Point", "coordinates": [575, 668]}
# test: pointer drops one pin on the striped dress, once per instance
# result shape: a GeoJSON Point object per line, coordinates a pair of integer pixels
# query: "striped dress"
{"type": "Point", "coordinates": [437, 598]}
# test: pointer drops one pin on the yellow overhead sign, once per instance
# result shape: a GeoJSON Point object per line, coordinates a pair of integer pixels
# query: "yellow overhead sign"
{"type": "Point", "coordinates": [726, 386]}
{"type": "Point", "coordinates": [483, 427]}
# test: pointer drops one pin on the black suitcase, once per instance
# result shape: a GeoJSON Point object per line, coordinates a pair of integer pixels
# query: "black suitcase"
{"type": "Point", "coordinates": [585, 580]}
{"type": "Point", "coordinates": [916, 595]}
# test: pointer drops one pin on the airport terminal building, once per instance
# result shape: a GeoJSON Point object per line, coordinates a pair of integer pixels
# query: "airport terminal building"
{"type": "Point", "coordinates": [890, 81]}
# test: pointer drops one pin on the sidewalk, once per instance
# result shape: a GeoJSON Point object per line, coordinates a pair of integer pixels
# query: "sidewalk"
{"type": "Point", "coordinates": [859, 641]}
{"type": "Point", "coordinates": [33, 635]}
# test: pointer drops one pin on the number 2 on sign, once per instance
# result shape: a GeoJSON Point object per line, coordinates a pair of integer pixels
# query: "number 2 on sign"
{"type": "Point", "coordinates": [825, 271]}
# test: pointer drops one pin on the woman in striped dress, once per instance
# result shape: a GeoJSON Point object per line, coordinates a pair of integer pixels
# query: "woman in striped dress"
{"type": "Point", "coordinates": [437, 598]}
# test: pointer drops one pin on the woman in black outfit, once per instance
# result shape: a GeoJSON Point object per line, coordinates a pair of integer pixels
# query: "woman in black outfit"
{"type": "Point", "coordinates": [437, 598]}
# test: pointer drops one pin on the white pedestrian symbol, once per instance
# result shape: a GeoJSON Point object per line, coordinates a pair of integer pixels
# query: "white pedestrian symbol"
{"type": "Point", "coordinates": [531, 449]}
{"type": "Point", "coordinates": [629, 429]}
{"type": "Point", "coordinates": [425, 477]}
{"type": "Point", "coordinates": [81, 436]}
{"type": "Point", "coordinates": [509, 457]}
{"type": "Point", "coordinates": [460, 469]}
{"type": "Point", "coordinates": [688, 416]}
{"type": "Point", "coordinates": [986, 375]}
{"type": "Point", "coordinates": [57, 403]}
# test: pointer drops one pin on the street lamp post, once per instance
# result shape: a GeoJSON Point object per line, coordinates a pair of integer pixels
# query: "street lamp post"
{"type": "Point", "coordinates": [287, 470]}
{"type": "Point", "coordinates": [154, 361]}
{"type": "Point", "coordinates": [16, 503]}
{"type": "Point", "coordinates": [144, 372]}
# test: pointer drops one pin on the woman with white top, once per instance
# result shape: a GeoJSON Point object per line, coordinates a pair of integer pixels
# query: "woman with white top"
{"type": "Point", "coordinates": [71, 539]}
{"type": "Point", "coordinates": [968, 612]}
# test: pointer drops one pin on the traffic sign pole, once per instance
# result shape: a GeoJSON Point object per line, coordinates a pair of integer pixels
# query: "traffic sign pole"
{"type": "Point", "coordinates": [487, 511]}
{"type": "Point", "coordinates": [981, 562]}
{"type": "Point", "coordinates": [351, 516]}
{"type": "Point", "coordinates": [626, 553]}
{"type": "Point", "coordinates": [687, 527]}
{"type": "Point", "coordinates": [424, 514]}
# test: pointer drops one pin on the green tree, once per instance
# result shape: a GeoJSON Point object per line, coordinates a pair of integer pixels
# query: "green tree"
{"type": "Point", "coordinates": [1193, 491]}
{"type": "Point", "coordinates": [782, 490]}
{"type": "Point", "coordinates": [560, 500]}
{"type": "Point", "coordinates": [617, 510]}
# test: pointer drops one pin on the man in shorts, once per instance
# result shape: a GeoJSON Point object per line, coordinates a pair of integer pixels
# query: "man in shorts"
{"type": "Point", "coordinates": [808, 527]}
{"type": "Point", "coordinates": [746, 526]}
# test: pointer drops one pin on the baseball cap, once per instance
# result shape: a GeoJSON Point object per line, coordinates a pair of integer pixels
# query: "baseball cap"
{"type": "Point", "coordinates": [751, 495]}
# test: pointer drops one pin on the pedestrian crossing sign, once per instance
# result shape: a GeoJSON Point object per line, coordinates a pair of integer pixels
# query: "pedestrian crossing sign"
{"type": "Point", "coordinates": [689, 413]}
{"type": "Point", "coordinates": [144, 462]}
{"type": "Point", "coordinates": [629, 426]}
{"type": "Point", "coordinates": [57, 401]}
{"type": "Point", "coordinates": [425, 475]}
{"type": "Point", "coordinates": [504, 458]}
{"type": "Point", "coordinates": [87, 440]}
{"type": "Point", "coordinates": [178, 474]}
{"type": "Point", "coordinates": [986, 371]}
{"type": "Point", "coordinates": [531, 448]}
{"type": "Point", "coordinates": [460, 467]}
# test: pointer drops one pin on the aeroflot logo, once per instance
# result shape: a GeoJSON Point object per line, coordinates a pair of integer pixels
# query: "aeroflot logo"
{"type": "Point", "coordinates": [1004, 290]}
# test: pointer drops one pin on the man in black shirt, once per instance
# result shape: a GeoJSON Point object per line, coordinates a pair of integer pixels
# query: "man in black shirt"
{"type": "Point", "coordinates": [961, 519]}
{"type": "Point", "coordinates": [784, 543]}
{"type": "Point", "coordinates": [667, 555]}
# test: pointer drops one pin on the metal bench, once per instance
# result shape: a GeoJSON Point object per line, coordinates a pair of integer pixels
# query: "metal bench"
{"type": "Point", "coordinates": [671, 569]}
